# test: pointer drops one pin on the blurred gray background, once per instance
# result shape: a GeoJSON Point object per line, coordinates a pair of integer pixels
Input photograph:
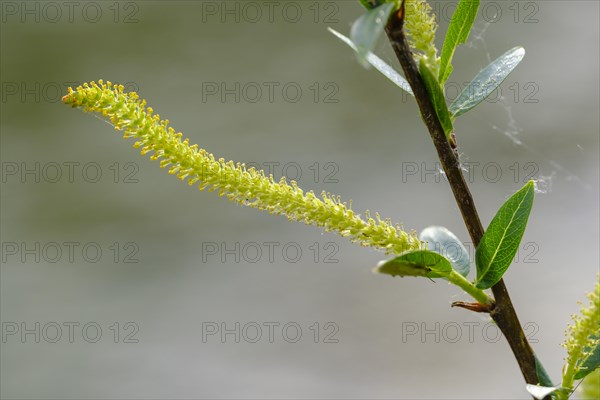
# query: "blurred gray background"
{"type": "Point", "coordinates": [165, 278]}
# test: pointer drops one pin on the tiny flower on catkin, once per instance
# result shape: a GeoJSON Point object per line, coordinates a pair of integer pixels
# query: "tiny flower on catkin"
{"type": "Point", "coordinates": [245, 186]}
{"type": "Point", "coordinates": [421, 27]}
{"type": "Point", "coordinates": [582, 336]}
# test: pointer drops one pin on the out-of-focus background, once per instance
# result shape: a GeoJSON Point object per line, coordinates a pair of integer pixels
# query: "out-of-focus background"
{"type": "Point", "coordinates": [119, 281]}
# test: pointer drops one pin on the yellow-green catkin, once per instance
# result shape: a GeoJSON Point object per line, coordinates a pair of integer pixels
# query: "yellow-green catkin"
{"type": "Point", "coordinates": [245, 186]}
{"type": "Point", "coordinates": [582, 335]}
{"type": "Point", "coordinates": [421, 26]}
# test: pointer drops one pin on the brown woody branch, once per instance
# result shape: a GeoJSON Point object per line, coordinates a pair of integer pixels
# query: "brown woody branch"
{"type": "Point", "coordinates": [503, 313]}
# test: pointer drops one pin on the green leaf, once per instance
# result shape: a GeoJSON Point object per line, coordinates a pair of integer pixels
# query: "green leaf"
{"type": "Point", "coordinates": [367, 29]}
{"type": "Point", "coordinates": [487, 81]}
{"type": "Point", "coordinates": [379, 64]}
{"type": "Point", "coordinates": [444, 242]}
{"type": "Point", "coordinates": [436, 94]}
{"type": "Point", "coordinates": [590, 363]}
{"type": "Point", "coordinates": [416, 263]}
{"type": "Point", "coordinates": [542, 375]}
{"type": "Point", "coordinates": [458, 32]}
{"type": "Point", "coordinates": [501, 240]}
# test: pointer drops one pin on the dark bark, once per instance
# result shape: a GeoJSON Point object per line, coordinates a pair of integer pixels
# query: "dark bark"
{"type": "Point", "coordinates": [503, 313]}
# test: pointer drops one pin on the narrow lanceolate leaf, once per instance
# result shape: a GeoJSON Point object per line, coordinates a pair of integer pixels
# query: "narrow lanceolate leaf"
{"type": "Point", "coordinates": [379, 64]}
{"type": "Point", "coordinates": [441, 240]}
{"type": "Point", "coordinates": [436, 94]}
{"type": "Point", "coordinates": [458, 32]}
{"type": "Point", "coordinates": [416, 263]}
{"type": "Point", "coordinates": [368, 28]}
{"type": "Point", "coordinates": [542, 375]}
{"type": "Point", "coordinates": [487, 81]}
{"type": "Point", "coordinates": [499, 244]}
